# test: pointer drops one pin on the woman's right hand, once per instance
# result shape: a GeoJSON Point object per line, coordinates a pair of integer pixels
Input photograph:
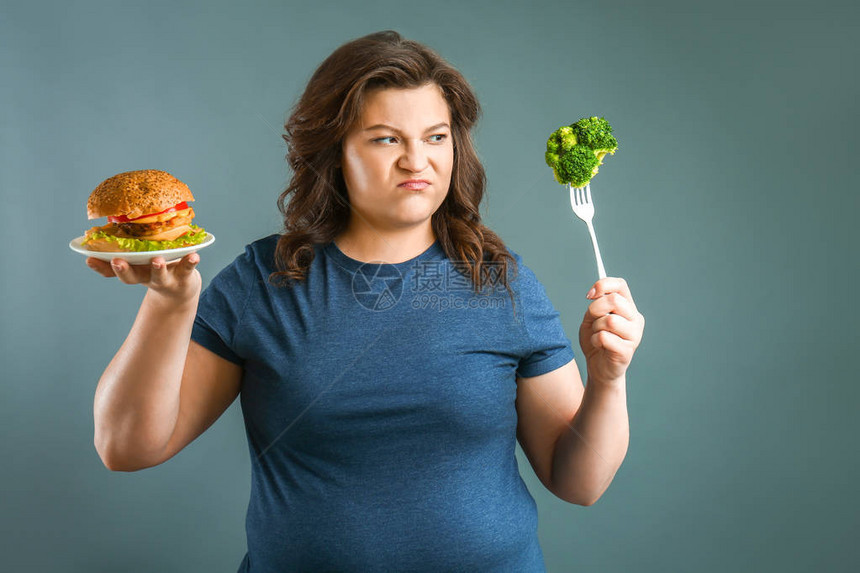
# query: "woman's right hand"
{"type": "Point", "coordinates": [177, 282]}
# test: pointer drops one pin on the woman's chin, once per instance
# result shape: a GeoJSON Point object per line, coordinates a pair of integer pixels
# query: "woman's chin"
{"type": "Point", "coordinates": [415, 215]}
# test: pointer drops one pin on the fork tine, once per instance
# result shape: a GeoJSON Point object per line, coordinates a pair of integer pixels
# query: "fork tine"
{"type": "Point", "coordinates": [588, 193]}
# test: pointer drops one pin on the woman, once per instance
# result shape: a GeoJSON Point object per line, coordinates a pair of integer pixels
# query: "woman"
{"type": "Point", "coordinates": [388, 349]}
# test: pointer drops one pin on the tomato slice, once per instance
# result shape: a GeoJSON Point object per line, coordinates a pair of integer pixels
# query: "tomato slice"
{"type": "Point", "coordinates": [124, 219]}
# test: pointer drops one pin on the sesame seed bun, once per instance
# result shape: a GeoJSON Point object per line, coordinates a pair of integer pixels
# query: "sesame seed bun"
{"type": "Point", "coordinates": [137, 193]}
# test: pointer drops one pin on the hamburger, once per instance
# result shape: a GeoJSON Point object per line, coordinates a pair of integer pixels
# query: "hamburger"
{"type": "Point", "coordinates": [147, 211]}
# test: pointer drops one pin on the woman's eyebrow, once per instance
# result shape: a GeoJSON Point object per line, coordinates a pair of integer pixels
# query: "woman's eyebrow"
{"type": "Point", "coordinates": [395, 130]}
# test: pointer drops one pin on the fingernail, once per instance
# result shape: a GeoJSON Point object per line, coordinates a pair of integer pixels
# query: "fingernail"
{"type": "Point", "coordinates": [591, 293]}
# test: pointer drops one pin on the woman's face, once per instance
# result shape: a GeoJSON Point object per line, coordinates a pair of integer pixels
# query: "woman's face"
{"type": "Point", "coordinates": [397, 160]}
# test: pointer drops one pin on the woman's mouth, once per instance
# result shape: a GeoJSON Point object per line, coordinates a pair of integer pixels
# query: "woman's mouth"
{"type": "Point", "coordinates": [415, 184]}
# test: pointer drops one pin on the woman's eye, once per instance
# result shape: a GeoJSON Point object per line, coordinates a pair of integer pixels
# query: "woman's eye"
{"type": "Point", "coordinates": [391, 140]}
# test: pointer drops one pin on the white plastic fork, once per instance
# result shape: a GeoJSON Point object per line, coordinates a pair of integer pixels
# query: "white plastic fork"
{"type": "Point", "coordinates": [580, 200]}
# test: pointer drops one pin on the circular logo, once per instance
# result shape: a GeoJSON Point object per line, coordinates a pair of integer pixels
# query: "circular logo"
{"type": "Point", "coordinates": [377, 285]}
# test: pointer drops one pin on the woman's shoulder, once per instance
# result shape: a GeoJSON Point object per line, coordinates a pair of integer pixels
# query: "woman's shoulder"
{"type": "Point", "coordinates": [264, 248]}
{"type": "Point", "coordinates": [514, 254]}
{"type": "Point", "coordinates": [260, 256]}
{"type": "Point", "coordinates": [257, 257]}
{"type": "Point", "coordinates": [523, 278]}
{"type": "Point", "coordinates": [518, 261]}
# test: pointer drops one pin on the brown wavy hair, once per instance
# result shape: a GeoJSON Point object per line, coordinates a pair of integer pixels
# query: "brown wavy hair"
{"type": "Point", "coordinates": [315, 204]}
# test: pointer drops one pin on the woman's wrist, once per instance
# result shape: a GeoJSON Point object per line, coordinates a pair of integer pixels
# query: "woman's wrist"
{"type": "Point", "coordinates": [170, 302]}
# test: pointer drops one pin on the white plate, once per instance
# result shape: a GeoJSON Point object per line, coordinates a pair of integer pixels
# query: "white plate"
{"type": "Point", "coordinates": [141, 257]}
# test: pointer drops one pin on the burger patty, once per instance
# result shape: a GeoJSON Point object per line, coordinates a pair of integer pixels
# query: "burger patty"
{"type": "Point", "coordinates": [132, 230]}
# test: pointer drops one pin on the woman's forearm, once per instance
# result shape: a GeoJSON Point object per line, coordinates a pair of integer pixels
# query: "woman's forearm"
{"type": "Point", "coordinates": [137, 399]}
{"type": "Point", "coordinates": [588, 454]}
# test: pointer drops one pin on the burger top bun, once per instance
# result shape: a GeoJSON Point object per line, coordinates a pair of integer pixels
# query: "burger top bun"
{"type": "Point", "coordinates": [137, 193]}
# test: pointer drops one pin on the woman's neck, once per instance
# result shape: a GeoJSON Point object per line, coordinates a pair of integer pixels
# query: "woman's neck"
{"type": "Point", "coordinates": [390, 247]}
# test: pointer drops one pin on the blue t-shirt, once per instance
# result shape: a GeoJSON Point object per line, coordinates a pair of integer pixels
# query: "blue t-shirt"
{"type": "Point", "coordinates": [378, 402]}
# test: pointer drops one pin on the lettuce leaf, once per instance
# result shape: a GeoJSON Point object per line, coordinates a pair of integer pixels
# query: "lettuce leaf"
{"type": "Point", "coordinates": [195, 237]}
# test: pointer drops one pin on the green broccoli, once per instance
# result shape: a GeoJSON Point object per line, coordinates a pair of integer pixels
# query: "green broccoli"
{"type": "Point", "coordinates": [576, 151]}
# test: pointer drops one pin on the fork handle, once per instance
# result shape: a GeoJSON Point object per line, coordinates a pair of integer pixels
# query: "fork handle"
{"type": "Point", "coordinates": [601, 272]}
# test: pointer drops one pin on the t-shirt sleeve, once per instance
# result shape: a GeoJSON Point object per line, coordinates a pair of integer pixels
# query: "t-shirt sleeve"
{"type": "Point", "coordinates": [222, 306]}
{"type": "Point", "coordinates": [547, 346]}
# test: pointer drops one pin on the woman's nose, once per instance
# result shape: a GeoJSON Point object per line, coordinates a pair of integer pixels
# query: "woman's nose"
{"type": "Point", "coordinates": [414, 157]}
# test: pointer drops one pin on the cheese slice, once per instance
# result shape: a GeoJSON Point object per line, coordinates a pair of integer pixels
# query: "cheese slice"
{"type": "Point", "coordinates": [164, 216]}
{"type": "Point", "coordinates": [169, 234]}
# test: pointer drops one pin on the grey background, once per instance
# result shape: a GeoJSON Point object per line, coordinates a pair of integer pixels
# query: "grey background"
{"type": "Point", "coordinates": [730, 208]}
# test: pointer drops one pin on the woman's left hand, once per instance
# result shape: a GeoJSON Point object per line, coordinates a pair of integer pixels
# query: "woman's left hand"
{"type": "Point", "coordinates": [611, 331]}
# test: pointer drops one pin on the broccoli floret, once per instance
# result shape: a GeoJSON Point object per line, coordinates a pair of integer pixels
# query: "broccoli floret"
{"type": "Point", "coordinates": [596, 133]}
{"type": "Point", "coordinates": [578, 166]}
{"type": "Point", "coordinates": [576, 151]}
{"type": "Point", "coordinates": [567, 138]}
